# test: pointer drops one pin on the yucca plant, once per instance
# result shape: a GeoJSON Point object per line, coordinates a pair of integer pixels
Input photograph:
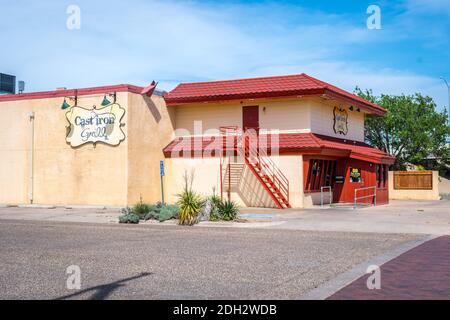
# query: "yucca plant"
{"type": "Point", "coordinates": [189, 202]}
{"type": "Point", "coordinates": [228, 210]}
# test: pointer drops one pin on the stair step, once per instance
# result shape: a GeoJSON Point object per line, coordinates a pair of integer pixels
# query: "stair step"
{"type": "Point", "coordinates": [260, 170]}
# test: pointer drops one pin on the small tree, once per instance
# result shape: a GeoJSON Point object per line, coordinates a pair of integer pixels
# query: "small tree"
{"type": "Point", "coordinates": [411, 130]}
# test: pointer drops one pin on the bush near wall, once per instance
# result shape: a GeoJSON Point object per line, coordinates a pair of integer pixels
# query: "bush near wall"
{"type": "Point", "coordinates": [222, 210]}
{"type": "Point", "coordinates": [144, 211]}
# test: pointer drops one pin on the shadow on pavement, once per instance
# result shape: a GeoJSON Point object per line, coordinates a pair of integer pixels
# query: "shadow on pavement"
{"type": "Point", "coordinates": [103, 291]}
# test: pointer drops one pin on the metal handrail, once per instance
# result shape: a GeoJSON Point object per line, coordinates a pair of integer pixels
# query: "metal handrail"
{"type": "Point", "coordinates": [321, 194]}
{"type": "Point", "coordinates": [374, 195]}
{"type": "Point", "coordinates": [269, 167]}
{"type": "Point", "coordinates": [256, 156]}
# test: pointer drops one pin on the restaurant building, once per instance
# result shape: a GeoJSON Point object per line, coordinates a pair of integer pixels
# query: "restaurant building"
{"type": "Point", "coordinates": [283, 141]}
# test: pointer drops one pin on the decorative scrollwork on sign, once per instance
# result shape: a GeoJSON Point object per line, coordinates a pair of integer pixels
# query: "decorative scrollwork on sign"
{"type": "Point", "coordinates": [340, 121]}
{"type": "Point", "coordinates": [95, 125]}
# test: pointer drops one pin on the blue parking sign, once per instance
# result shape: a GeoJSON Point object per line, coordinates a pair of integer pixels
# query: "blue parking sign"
{"type": "Point", "coordinates": [161, 168]}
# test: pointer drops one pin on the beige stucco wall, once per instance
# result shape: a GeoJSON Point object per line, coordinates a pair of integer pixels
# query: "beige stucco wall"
{"type": "Point", "coordinates": [100, 175]}
{"type": "Point", "coordinates": [150, 129]}
{"type": "Point", "coordinates": [247, 192]}
{"type": "Point", "coordinates": [287, 116]}
{"type": "Point", "coordinates": [62, 174]}
{"type": "Point", "coordinates": [206, 173]}
{"type": "Point", "coordinates": [308, 114]}
{"type": "Point", "coordinates": [322, 117]}
{"type": "Point", "coordinates": [414, 194]}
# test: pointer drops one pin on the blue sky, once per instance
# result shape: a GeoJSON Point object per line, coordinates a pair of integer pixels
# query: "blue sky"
{"type": "Point", "coordinates": [175, 41]}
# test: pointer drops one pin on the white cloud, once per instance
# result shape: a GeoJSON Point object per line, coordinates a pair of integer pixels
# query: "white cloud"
{"type": "Point", "coordinates": [179, 41]}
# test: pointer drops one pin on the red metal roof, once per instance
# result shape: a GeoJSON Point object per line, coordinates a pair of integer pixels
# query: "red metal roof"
{"type": "Point", "coordinates": [263, 87]}
{"type": "Point", "coordinates": [287, 143]}
{"type": "Point", "coordinates": [358, 150]}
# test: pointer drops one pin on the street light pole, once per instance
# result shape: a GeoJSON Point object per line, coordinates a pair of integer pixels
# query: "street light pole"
{"type": "Point", "coordinates": [448, 88]}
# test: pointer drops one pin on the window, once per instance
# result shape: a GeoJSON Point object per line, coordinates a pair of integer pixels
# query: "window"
{"type": "Point", "coordinates": [320, 174]}
{"type": "Point", "coordinates": [382, 171]}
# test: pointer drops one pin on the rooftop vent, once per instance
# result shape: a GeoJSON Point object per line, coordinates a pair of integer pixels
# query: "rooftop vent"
{"type": "Point", "coordinates": [21, 85]}
{"type": "Point", "coordinates": [7, 84]}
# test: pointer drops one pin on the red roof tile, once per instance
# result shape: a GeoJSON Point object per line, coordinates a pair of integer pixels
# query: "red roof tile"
{"type": "Point", "coordinates": [263, 87]}
{"type": "Point", "coordinates": [287, 142]}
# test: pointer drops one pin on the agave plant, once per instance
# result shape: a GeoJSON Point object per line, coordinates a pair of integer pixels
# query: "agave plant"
{"type": "Point", "coordinates": [189, 202]}
{"type": "Point", "coordinates": [228, 210]}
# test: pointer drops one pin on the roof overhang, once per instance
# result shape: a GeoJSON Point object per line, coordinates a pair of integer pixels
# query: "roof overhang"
{"type": "Point", "coordinates": [293, 143]}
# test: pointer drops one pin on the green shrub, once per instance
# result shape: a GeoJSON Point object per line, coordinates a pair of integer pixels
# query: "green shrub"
{"type": "Point", "coordinates": [168, 212]}
{"type": "Point", "coordinates": [227, 210]}
{"type": "Point", "coordinates": [215, 200]}
{"type": "Point", "coordinates": [142, 209]}
{"type": "Point", "coordinates": [190, 203]}
{"type": "Point", "coordinates": [128, 216]}
{"type": "Point", "coordinates": [152, 215]}
{"type": "Point", "coordinates": [214, 214]}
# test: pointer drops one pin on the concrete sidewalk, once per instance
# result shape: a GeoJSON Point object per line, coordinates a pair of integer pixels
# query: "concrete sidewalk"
{"type": "Point", "coordinates": [61, 214]}
{"type": "Point", "coordinates": [414, 217]}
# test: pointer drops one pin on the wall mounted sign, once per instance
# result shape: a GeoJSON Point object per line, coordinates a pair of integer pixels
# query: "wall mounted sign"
{"type": "Point", "coordinates": [339, 179]}
{"type": "Point", "coordinates": [95, 125]}
{"type": "Point", "coordinates": [340, 121]}
{"type": "Point", "coordinates": [355, 175]}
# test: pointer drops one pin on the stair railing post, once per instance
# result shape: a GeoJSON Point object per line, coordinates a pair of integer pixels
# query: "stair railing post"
{"type": "Point", "coordinates": [375, 196]}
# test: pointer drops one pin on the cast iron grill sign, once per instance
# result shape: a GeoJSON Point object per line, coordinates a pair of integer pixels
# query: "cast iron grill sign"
{"type": "Point", "coordinates": [95, 125]}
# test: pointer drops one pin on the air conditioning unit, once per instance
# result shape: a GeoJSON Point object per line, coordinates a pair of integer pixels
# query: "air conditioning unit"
{"type": "Point", "coordinates": [21, 86]}
{"type": "Point", "coordinates": [7, 84]}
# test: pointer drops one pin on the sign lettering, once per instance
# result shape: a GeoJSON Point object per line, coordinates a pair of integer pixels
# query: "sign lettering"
{"type": "Point", "coordinates": [95, 125]}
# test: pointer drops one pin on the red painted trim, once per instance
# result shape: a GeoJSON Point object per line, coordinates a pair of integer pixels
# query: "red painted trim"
{"type": "Point", "coordinates": [71, 92]}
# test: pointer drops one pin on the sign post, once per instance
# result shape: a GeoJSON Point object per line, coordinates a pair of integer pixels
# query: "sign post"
{"type": "Point", "coordinates": [161, 174]}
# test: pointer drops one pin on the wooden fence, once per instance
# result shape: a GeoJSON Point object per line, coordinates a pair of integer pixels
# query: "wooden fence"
{"type": "Point", "coordinates": [413, 180]}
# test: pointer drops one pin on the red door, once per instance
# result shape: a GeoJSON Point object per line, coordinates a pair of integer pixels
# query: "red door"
{"type": "Point", "coordinates": [250, 117]}
{"type": "Point", "coordinates": [358, 174]}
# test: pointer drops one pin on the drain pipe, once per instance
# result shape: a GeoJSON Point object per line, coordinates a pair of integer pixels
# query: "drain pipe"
{"type": "Point", "coordinates": [31, 187]}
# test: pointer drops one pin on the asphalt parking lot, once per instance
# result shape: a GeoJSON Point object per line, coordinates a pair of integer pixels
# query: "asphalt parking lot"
{"type": "Point", "coordinates": [173, 262]}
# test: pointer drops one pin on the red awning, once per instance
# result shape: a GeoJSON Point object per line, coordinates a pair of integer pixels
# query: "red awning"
{"type": "Point", "coordinates": [285, 143]}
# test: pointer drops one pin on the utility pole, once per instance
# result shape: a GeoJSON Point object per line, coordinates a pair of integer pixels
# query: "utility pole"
{"type": "Point", "coordinates": [448, 89]}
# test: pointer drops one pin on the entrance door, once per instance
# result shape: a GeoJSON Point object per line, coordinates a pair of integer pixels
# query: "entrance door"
{"type": "Point", "coordinates": [250, 118]}
{"type": "Point", "coordinates": [358, 174]}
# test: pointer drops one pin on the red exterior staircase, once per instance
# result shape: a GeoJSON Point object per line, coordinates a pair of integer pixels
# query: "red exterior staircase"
{"type": "Point", "coordinates": [260, 164]}
{"type": "Point", "coordinates": [269, 175]}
